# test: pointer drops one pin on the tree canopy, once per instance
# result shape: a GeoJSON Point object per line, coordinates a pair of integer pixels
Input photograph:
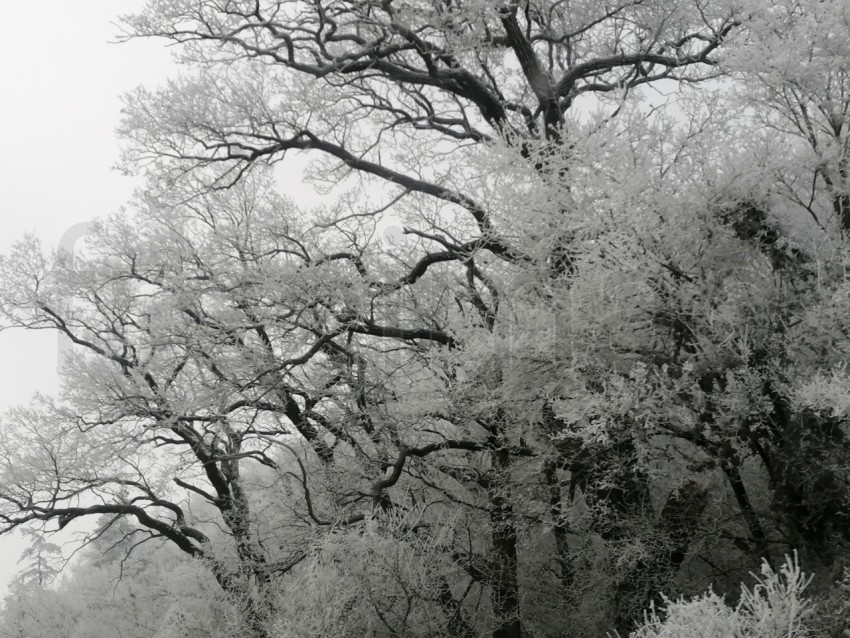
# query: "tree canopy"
{"type": "Point", "coordinates": [604, 362]}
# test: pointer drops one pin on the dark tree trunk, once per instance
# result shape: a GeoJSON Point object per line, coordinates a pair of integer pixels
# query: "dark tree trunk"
{"type": "Point", "coordinates": [842, 207]}
{"type": "Point", "coordinates": [253, 616]}
{"type": "Point", "coordinates": [731, 468]}
{"type": "Point", "coordinates": [503, 571]}
{"type": "Point", "coordinates": [811, 497]}
{"type": "Point", "coordinates": [669, 545]}
{"type": "Point", "coordinates": [615, 485]}
{"type": "Point", "coordinates": [559, 526]}
{"type": "Point", "coordinates": [455, 622]}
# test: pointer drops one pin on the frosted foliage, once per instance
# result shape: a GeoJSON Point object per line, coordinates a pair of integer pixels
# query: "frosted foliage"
{"type": "Point", "coordinates": [593, 364]}
{"type": "Point", "coordinates": [826, 392]}
{"type": "Point", "coordinates": [382, 581]}
{"type": "Point", "coordinates": [774, 607]}
{"type": "Point", "coordinates": [194, 606]}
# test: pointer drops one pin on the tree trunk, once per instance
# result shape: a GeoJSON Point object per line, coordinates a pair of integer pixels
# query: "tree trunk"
{"type": "Point", "coordinates": [559, 525]}
{"type": "Point", "coordinates": [669, 545]}
{"type": "Point", "coordinates": [254, 618]}
{"type": "Point", "coordinates": [503, 571]}
{"type": "Point", "coordinates": [456, 623]}
{"type": "Point", "coordinates": [810, 494]}
{"type": "Point", "coordinates": [730, 464]}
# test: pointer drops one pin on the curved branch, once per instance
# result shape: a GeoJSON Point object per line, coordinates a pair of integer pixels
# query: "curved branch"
{"type": "Point", "coordinates": [397, 467]}
{"type": "Point", "coordinates": [67, 514]}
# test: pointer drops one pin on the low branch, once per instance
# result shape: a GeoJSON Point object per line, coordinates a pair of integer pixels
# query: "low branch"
{"type": "Point", "coordinates": [65, 515]}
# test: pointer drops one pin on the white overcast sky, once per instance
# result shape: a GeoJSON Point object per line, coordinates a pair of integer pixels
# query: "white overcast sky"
{"type": "Point", "coordinates": [60, 78]}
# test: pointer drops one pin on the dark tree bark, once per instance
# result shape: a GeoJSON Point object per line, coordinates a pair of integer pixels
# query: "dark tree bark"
{"type": "Point", "coordinates": [559, 526]}
{"type": "Point", "coordinates": [503, 565]}
{"type": "Point", "coordinates": [668, 545]}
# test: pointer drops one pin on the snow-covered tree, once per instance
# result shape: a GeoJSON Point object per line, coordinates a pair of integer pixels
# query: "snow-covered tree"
{"type": "Point", "coordinates": [603, 360]}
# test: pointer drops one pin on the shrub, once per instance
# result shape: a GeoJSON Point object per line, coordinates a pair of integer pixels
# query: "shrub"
{"type": "Point", "coordinates": [774, 608]}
